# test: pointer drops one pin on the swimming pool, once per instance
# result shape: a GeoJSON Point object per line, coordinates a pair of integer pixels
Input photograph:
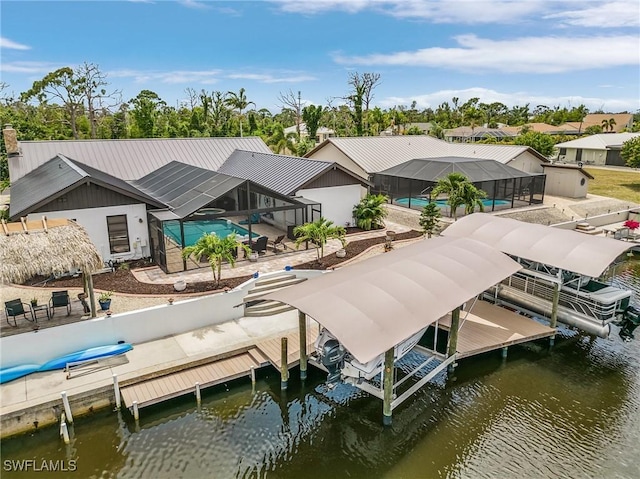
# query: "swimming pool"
{"type": "Point", "coordinates": [422, 202]}
{"type": "Point", "coordinates": [193, 230]}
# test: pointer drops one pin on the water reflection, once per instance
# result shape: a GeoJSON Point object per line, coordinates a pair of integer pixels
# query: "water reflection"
{"type": "Point", "coordinates": [568, 412]}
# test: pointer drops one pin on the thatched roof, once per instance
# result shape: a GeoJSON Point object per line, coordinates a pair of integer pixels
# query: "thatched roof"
{"type": "Point", "coordinates": [54, 246]}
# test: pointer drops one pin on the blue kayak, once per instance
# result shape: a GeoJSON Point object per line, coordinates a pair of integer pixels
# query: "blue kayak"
{"type": "Point", "coordinates": [15, 372]}
{"type": "Point", "coordinates": [85, 355]}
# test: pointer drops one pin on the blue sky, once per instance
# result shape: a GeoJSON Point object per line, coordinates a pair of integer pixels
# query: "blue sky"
{"type": "Point", "coordinates": [429, 51]}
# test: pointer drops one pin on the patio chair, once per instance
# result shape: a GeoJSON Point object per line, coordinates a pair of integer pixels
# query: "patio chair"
{"type": "Point", "coordinates": [15, 308]}
{"type": "Point", "coordinates": [260, 245]}
{"type": "Point", "coordinates": [279, 242]}
{"type": "Point", "coordinates": [60, 299]}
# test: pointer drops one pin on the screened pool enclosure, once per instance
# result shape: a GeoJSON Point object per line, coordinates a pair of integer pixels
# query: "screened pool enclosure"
{"type": "Point", "coordinates": [410, 184]}
{"type": "Point", "coordinates": [203, 202]}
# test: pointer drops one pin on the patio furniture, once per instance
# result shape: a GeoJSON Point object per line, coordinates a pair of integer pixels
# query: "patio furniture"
{"type": "Point", "coordinates": [279, 242]}
{"type": "Point", "coordinates": [60, 299]}
{"type": "Point", "coordinates": [40, 307]}
{"type": "Point", "coordinates": [260, 245]}
{"type": "Point", "coordinates": [15, 308]}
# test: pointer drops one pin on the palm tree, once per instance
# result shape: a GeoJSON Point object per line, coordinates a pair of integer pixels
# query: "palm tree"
{"type": "Point", "coordinates": [240, 102]}
{"type": "Point", "coordinates": [370, 212]}
{"type": "Point", "coordinates": [472, 197]}
{"type": "Point", "coordinates": [450, 186]}
{"type": "Point", "coordinates": [217, 250]}
{"type": "Point", "coordinates": [319, 232]}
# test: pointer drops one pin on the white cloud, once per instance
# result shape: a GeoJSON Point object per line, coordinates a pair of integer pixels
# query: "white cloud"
{"type": "Point", "coordinates": [432, 100]}
{"type": "Point", "coordinates": [620, 13]}
{"type": "Point", "coordinates": [195, 4]}
{"type": "Point", "coordinates": [11, 45]}
{"type": "Point", "coordinates": [520, 55]}
{"type": "Point", "coordinates": [587, 13]}
{"type": "Point", "coordinates": [265, 78]}
{"type": "Point", "coordinates": [205, 77]}
{"type": "Point", "coordinates": [30, 68]}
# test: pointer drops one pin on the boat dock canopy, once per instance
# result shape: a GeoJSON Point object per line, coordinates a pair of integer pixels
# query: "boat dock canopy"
{"type": "Point", "coordinates": [566, 249]}
{"type": "Point", "coordinates": [373, 305]}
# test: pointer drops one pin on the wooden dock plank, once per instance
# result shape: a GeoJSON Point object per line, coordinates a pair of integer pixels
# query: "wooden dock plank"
{"type": "Point", "coordinates": [179, 383]}
{"type": "Point", "coordinates": [182, 382]}
{"type": "Point", "coordinates": [488, 327]}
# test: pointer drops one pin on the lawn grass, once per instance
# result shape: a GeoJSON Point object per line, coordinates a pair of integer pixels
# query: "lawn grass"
{"type": "Point", "coordinates": [620, 184]}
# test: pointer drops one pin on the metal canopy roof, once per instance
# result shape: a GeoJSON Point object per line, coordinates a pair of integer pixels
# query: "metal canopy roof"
{"type": "Point", "coordinates": [569, 250]}
{"type": "Point", "coordinates": [374, 305]}
{"type": "Point", "coordinates": [476, 170]}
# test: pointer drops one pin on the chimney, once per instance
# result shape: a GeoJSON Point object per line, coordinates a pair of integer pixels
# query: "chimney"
{"type": "Point", "coordinates": [10, 141]}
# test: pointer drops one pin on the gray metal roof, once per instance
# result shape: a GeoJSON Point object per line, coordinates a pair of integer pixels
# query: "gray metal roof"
{"type": "Point", "coordinates": [284, 174]}
{"type": "Point", "coordinates": [58, 175]}
{"type": "Point", "coordinates": [377, 153]}
{"type": "Point", "coordinates": [186, 188]}
{"type": "Point", "coordinates": [475, 170]}
{"type": "Point", "coordinates": [133, 159]}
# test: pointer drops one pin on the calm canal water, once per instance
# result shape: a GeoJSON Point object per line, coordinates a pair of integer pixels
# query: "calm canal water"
{"type": "Point", "coordinates": [572, 412]}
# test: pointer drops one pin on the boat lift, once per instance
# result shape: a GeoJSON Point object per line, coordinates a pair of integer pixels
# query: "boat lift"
{"type": "Point", "coordinates": [374, 306]}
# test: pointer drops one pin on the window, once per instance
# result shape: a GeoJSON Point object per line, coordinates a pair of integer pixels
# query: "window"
{"type": "Point", "coordinates": [563, 151]}
{"type": "Point", "coordinates": [118, 234]}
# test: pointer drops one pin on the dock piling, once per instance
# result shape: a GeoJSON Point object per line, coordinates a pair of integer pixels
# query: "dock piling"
{"type": "Point", "coordinates": [387, 409]}
{"type": "Point", "coordinates": [198, 396]}
{"type": "Point", "coordinates": [302, 323]}
{"type": "Point", "coordinates": [116, 391]}
{"type": "Point", "coordinates": [453, 336]}
{"type": "Point", "coordinates": [253, 377]}
{"type": "Point", "coordinates": [505, 352]}
{"type": "Point", "coordinates": [64, 432]}
{"type": "Point", "coordinates": [284, 370]}
{"type": "Point", "coordinates": [67, 407]}
{"type": "Point", "coordinates": [553, 322]}
{"type": "Point", "coordinates": [136, 413]}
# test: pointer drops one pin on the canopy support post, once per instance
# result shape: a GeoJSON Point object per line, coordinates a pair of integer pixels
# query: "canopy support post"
{"type": "Point", "coordinates": [302, 324]}
{"type": "Point", "coordinates": [284, 367]}
{"type": "Point", "coordinates": [387, 408]}
{"type": "Point", "coordinates": [553, 322]}
{"type": "Point", "coordinates": [453, 336]}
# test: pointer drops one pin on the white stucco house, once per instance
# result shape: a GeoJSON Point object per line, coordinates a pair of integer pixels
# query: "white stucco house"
{"type": "Point", "coordinates": [602, 149]}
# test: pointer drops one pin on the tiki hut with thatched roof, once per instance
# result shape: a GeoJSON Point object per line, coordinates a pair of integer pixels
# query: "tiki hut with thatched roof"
{"type": "Point", "coordinates": [55, 246]}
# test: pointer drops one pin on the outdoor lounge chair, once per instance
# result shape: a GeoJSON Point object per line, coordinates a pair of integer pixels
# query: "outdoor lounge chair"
{"type": "Point", "coordinates": [260, 245]}
{"type": "Point", "coordinates": [60, 299]}
{"type": "Point", "coordinates": [16, 307]}
{"type": "Point", "coordinates": [279, 242]}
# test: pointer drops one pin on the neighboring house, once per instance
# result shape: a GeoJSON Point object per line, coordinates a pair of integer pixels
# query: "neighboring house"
{"type": "Point", "coordinates": [337, 189]}
{"type": "Point", "coordinates": [565, 129]}
{"type": "Point", "coordinates": [621, 121]}
{"type": "Point", "coordinates": [395, 130]}
{"type": "Point", "coordinates": [602, 149]}
{"type": "Point", "coordinates": [366, 156]}
{"type": "Point", "coordinates": [466, 134]}
{"type": "Point", "coordinates": [569, 181]}
{"type": "Point", "coordinates": [321, 134]}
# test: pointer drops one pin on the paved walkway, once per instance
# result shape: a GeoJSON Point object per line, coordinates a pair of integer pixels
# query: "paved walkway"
{"type": "Point", "coordinates": [265, 264]}
{"type": "Point", "coordinates": [145, 358]}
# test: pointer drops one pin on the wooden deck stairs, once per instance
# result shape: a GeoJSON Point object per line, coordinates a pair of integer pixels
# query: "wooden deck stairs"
{"type": "Point", "coordinates": [255, 306]}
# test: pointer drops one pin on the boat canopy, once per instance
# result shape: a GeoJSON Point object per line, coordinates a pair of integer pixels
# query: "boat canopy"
{"type": "Point", "coordinates": [565, 249]}
{"type": "Point", "coordinates": [373, 305]}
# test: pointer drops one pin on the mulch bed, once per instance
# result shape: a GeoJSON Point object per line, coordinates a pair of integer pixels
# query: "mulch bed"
{"type": "Point", "coordinates": [123, 281]}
